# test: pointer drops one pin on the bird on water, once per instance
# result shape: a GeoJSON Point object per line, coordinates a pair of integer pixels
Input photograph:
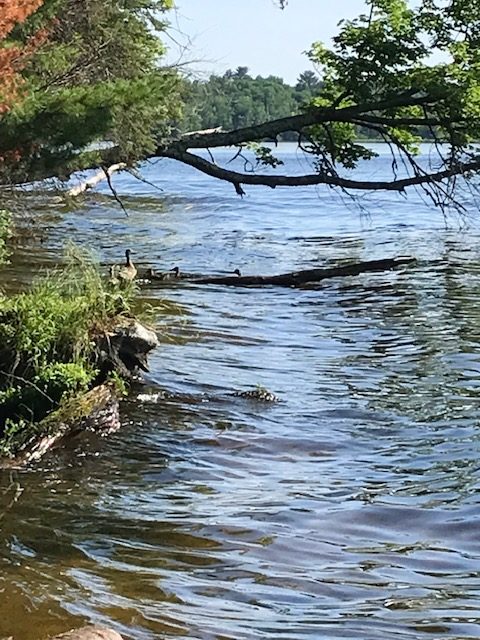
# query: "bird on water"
{"type": "Point", "coordinates": [169, 275]}
{"type": "Point", "coordinates": [163, 275]}
{"type": "Point", "coordinates": [128, 271]}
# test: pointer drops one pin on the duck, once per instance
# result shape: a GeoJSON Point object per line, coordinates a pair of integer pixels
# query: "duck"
{"type": "Point", "coordinates": [128, 271]}
{"type": "Point", "coordinates": [237, 272]}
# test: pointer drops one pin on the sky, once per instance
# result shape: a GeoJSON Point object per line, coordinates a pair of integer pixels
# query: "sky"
{"type": "Point", "coordinates": [225, 34]}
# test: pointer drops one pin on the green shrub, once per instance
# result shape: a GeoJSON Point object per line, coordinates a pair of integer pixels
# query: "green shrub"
{"type": "Point", "coordinates": [5, 232]}
{"type": "Point", "coordinates": [47, 341]}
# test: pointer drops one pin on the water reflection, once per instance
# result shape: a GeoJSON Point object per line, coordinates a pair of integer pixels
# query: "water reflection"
{"type": "Point", "coordinates": [348, 510]}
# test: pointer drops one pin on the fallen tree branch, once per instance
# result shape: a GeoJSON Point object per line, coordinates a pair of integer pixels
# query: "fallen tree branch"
{"type": "Point", "coordinates": [385, 112]}
{"type": "Point", "coordinates": [203, 131]}
{"type": "Point", "coordinates": [103, 174]}
{"type": "Point", "coordinates": [113, 191]}
{"type": "Point", "coordinates": [319, 115]}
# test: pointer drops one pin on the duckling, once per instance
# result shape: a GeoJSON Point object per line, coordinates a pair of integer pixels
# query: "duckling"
{"type": "Point", "coordinates": [113, 280]}
{"type": "Point", "coordinates": [168, 275]}
{"type": "Point", "coordinates": [128, 271]}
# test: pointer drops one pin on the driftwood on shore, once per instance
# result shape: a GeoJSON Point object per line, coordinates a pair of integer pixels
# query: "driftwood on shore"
{"type": "Point", "coordinates": [91, 632]}
{"type": "Point", "coordinates": [291, 279]}
{"type": "Point", "coordinates": [96, 410]}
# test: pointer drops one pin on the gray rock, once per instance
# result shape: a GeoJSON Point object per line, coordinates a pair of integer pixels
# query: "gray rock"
{"type": "Point", "coordinates": [139, 337]}
{"type": "Point", "coordinates": [126, 347]}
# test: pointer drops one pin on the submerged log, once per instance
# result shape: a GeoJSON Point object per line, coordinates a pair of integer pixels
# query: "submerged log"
{"type": "Point", "coordinates": [292, 278]}
{"type": "Point", "coordinates": [96, 410]}
{"type": "Point", "coordinates": [299, 278]}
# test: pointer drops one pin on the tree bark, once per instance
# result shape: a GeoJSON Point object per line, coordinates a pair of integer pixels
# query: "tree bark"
{"type": "Point", "coordinates": [124, 351]}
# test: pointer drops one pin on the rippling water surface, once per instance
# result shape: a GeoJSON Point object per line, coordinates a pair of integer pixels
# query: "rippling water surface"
{"type": "Point", "coordinates": [348, 510]}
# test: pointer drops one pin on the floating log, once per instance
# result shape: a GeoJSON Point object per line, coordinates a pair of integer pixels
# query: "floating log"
{"type": "Point", "coordinates": [300, 278]}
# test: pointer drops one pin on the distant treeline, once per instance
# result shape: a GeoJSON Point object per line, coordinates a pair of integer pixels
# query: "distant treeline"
{"type": "Point", "coordinates": [236, 99]}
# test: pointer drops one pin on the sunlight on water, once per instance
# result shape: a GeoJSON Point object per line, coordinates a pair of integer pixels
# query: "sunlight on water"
{"type": "Point", "coordinates": [347, 510]}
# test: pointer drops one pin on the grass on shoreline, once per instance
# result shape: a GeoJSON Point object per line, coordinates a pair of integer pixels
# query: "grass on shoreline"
{"type": "Point", "coordinates": [47, 342]}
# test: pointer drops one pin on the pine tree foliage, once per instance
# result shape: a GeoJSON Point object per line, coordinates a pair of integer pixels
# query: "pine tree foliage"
{"type": "Point", "coordinates": [94, 80]}
{"type": "Point", "coordinates": [13, 58]}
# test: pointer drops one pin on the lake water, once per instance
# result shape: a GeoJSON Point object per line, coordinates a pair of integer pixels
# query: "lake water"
{"type": "Point", "coordinates": [350, 509]}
